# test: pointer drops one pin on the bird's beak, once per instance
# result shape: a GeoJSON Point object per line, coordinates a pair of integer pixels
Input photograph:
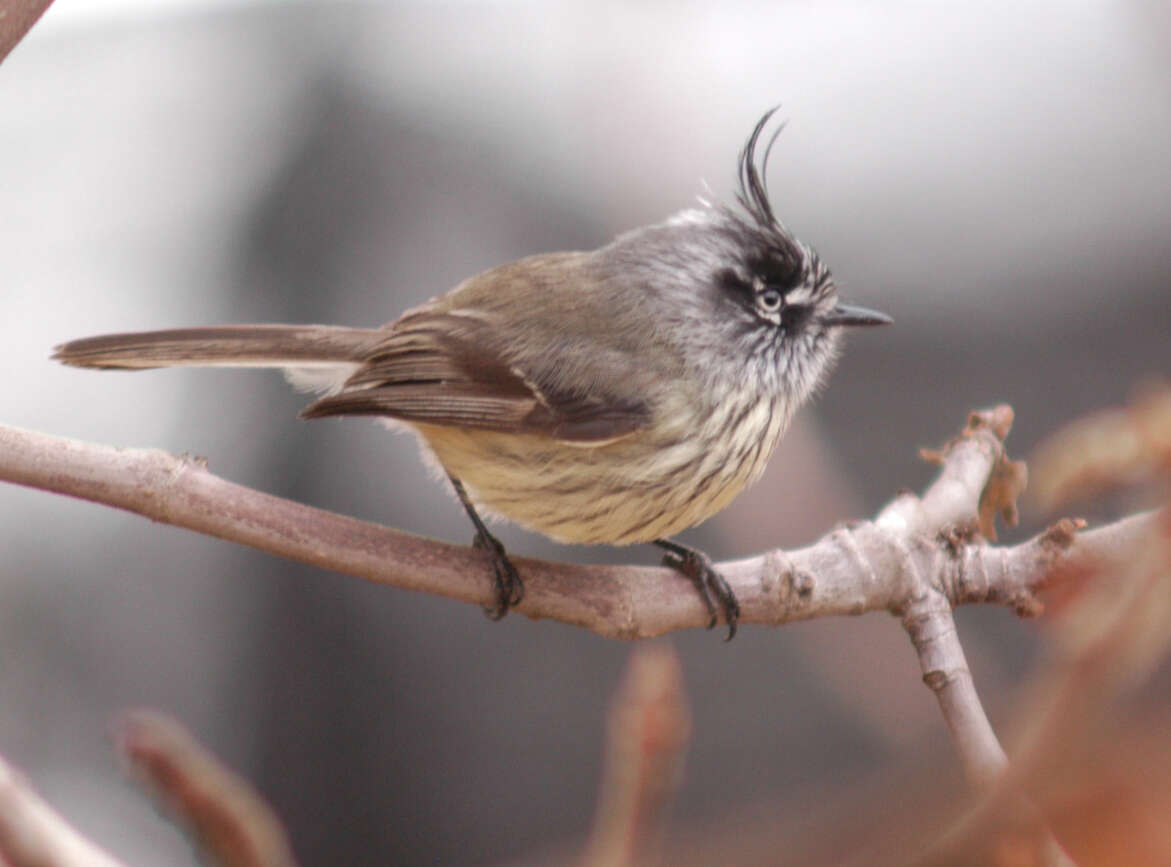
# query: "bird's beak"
{"type": "Point", "coordinates": [844, 315]}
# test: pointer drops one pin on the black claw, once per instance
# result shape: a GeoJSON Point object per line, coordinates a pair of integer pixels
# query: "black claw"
{"type": "Point", "coordinates": [680, 565]}
{"type": "Point", "coordinates": [712, 587]}
{"type": "Point", "coordinates": [510, 590]}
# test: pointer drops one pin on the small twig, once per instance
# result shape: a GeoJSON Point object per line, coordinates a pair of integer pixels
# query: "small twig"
{"type": "Point", "coordinates": [965, 496]}
{"type": "Point", "coordinates": [649, 729]}
{"type": "Point", "coordinates": [32, 834]}
{"type": "Point", "coordinates": [229, 821]}
{"type": "Point", "coordinates": [945, 671]}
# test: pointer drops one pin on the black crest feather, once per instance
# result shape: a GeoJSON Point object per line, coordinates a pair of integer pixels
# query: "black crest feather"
{"type": "Point", "coordinates": [753, 192]}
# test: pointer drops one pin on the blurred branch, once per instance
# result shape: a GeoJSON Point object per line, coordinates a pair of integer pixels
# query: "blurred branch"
{"type": "Point", "coordinates": [649, 728]}
{"type": "Point", "coordinates": [33, 835]}
{"type": "Point", "coordinates": [1108, 449]}
{"type": "Point", "coordinates": [16, 18]}
{"type": "Point", "coordinates": [229, 821]}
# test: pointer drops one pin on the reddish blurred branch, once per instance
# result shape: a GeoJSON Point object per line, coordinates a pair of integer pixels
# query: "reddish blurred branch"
{"type": "Point", "coordinates": [649, 729]}
{"type": "Point", "coordinates": [229, 821]}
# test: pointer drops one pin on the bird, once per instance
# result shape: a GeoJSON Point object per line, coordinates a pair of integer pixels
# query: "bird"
{"type": "Point", "coordinates": [612, 396]}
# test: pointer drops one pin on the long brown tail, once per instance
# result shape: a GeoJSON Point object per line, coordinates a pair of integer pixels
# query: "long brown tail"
{"type": "Point", "coordinates": [224, 345]}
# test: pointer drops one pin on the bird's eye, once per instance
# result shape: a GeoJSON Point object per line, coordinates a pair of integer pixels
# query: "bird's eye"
{"type": "Point", "coordinates": [770, 300]}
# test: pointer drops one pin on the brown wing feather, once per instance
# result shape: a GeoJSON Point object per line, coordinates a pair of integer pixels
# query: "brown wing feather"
{"type": "Point", "coordinates": [436, 368]}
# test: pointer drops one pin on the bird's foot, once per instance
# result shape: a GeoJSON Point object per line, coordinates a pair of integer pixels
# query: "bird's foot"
{"type": "Point", "coordinates": [712, 586]}
{"type": "Point", "coordinates": [509, 588]}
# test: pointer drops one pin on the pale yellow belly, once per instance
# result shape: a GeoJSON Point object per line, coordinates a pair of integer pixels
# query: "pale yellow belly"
{"type": "Point", "coordinates": [633, 490]}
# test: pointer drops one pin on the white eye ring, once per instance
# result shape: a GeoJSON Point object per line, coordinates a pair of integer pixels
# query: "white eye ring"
{"type": "Point", "coordinates": [770, 300]}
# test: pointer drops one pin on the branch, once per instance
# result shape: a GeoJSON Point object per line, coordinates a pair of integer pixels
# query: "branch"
{"type": "Point", "coordinates": [1090, 750]}
{"type": "Point", "coordinates": [649, 729]}
{"type": "Point", "coordinates": [233, 826]}
{"type": "Point", "coordinates": [919, 558]}
{"type": "Point", "coordinates": [852, 570]}
{"type": "Point", "coordinates": [229, 821]}
{"type": "Point", "coordinates": [32, 834]}
{"type": "Point", "coordinates": [16, 18]}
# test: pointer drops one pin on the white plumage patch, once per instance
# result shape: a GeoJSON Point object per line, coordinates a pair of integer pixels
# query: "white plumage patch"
{"type": "Point", "coordinates": [324, 378]}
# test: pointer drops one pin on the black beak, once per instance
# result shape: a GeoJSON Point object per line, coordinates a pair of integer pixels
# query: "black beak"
{"type": "Point", "coordinates": [844, 315]}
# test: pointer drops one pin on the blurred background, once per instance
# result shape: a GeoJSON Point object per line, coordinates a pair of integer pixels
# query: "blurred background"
{"type": "Point", "coordinates": [995, 176]}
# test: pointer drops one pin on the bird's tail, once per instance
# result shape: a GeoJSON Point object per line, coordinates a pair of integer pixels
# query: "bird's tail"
{"type": "Point", "coordinates": [314, 356]}
{"type": "Point", "coordinates": [220, 346]}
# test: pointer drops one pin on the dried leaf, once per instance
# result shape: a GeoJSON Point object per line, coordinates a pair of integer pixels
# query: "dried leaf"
{"type": "Point", "coordinates": [1005, 485]}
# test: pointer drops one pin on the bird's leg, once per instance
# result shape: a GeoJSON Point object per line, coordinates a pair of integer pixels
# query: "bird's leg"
{"type": "Point", "coordinates": [711, 585]}
{"type": "Point", "coordinates": [509, 588]}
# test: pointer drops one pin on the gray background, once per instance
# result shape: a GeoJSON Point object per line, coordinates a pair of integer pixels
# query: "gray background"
{"type": "Point", "coordinates": [994, 176]}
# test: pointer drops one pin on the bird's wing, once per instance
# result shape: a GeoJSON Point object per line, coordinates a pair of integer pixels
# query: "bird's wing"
{"type": "Point", "coordinates": [447, 369]}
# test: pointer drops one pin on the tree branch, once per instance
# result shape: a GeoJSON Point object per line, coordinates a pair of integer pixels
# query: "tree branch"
{"type": "Point", "coordinates": [228, 820]}
{"type": "Point", "coordinates": [648, 731]}
{"type": "Point", "coordinates": [32, 834]}
{"type": "Point", "coordinates": [16, 18]}
{"type": "Point", "coordinates": [919, 558]}
{"type": "Point", "coordinates": [868, 566]}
